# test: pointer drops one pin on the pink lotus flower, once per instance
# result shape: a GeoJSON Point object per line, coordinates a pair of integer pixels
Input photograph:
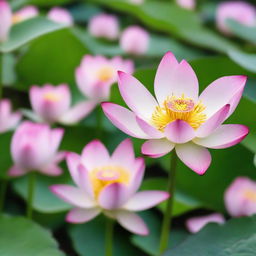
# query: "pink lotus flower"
{"type": "Point", "coordinates": [105, 26]}
{"type": "Point", "coordinates": [195, 224]}
{"type": "Point", "coordinates": [187, 4]}
{"type": "Point", "coordinates": [108, 184]}
{"type": "Point", "coordinates": [178, 118]}
{"type": "Point", "coordinates": [60, 15]}
{"type": "Point", "coordinates": [25, 13]}
{"type": "Point", "coordinates": [240, 197]}
{"type": "Point", "coordinates": [95, 75]}
{"type": "Point", "coordinates": [52, 104]}
{"type": "Point", "coordinates": [135, 40]}
{"type": "Point", "coordinates": [34, 148]}
{"type": "Point", "coordinates": [8, 120]}
{"type": "Point", "coordinates": [241, 12]}
{"type": "Point", "coordinates": [5, 20]}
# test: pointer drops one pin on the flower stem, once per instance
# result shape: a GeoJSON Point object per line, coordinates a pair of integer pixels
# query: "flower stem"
{"type": "Point", "coordinates": [3, 189]}
{"type": "Point", "coordinates": [166, 226]}
{"type": "Point", "coordinates": [31, 191]}
{"type": "Point", "coordinates": [99, 122]}
{"type": "Point", "coordinates": [109, 237]}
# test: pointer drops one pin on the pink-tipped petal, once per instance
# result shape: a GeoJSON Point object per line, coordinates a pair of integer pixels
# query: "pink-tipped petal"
{"type": "Point", "coordinates": [179, 131]}
{"type": "Point", "coordinates": [51, 170]}
{"type": "Point", "coordinates": [16, 171]}
{"type": "Point", "coordinates": [213, 122]}
{"type": "Point", "coordinates": [149, 129]}
{"type": "Point", "coordinates": [123, 119]}
{"type": "Point", "coordinates": [78, 112]}
{"type": "Point", "coordinates": [56, 137]}
{"type": "Point", "coordinates": [164, 75]}
{"type": "Point", "coordinates": [124, 154]}
{"type": "Point", "coordinates": [195, 224]}
{"type": "Point", "coordinates": [132, 90]}
{"type": "Point", "coordinates": [94, 155]}
{"type": "Point", "coordinates": [113, 196]}
{"type": "Point", "coordinates": [84, 181]}
{"type": "Point", "coordinates": [78, 215]}
{"type": "Point", "coordinates": [195, 157]}
{"type": "Point", "coordinates": [225, 136]}
{"type": "Point", "coordinates": [73, 196]}
{"type": "Point", "coordinates": [221, 92]}
{"type": "Point", "coordinates": [73, 161]}
{"type": "Point", "coordinates": [157, 148]}
{"type": "Point", "coordinates": [60, 15]}
{"type": "Point", "coordinates": [145, 200]}
{"type": "Point", "coordinates": [5, 20]}
{"type": "Point", "coordinates": [132, 222]}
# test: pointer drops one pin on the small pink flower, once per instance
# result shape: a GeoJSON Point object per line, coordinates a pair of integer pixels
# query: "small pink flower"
{"type": "Point", "coordinates": [34, 148]}
{"type": "Point", "coordinates": [52, 104]}
{"type": "Point", "coordinates": [179, 118]}
{"type": "Point", "coordinates": [195, 224]}
{"type": "Point", "coordinates": [60, 15]}
{"type": "Point", "coordinates": [241, 12]}
{"type": "Point", "coordinates": [108, 184]}
{"type": "Point", "coordinates": [135, 40]}
{"type": "Point", "coordinates": [95, 75]}
{"type": "Point", "coordinates": [240, 197]}
{"type": "Point", "coordinates": [187, 4]}
{"type": "Point", "coordinates": [25, 13]}
{"type": "Point", "coordinates": [5, 20]}
{"type": "Point", "coordinates": [8, 119]}
{"type": "Point", "coordinates": [105, 26]}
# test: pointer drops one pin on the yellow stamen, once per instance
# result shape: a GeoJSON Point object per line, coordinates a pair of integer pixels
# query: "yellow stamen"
{"type": "Point", "coordinates": [16, 18]}
{"type": "Point", "coordinates": [250, 194]}
{"type": "Point", "coordinates": [105, 73]}
{"type": "Point", "coordinates": [51, 96]}
{"type": "Point", "coordinates": [181, 108]}
{"type": "Point", "coordinates": [102, 176]}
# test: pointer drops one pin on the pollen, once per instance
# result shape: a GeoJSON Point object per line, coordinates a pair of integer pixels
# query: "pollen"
{"type": "Point", "coordinates": [102, 176]}
{"type": "Point", "coordinates": [181, 108]}
{"type": "Point", "coordinates": [51, 96]}
{"type": "Point", "coordinates": [250, 194]}
{"type": "Point", "coordinates": [105, 73]}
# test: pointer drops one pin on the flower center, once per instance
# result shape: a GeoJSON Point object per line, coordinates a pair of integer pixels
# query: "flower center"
{"type": "Point", "coordinates": [103, 176]}
{"type": "Point", "coordinates": [181, 108]}
{"type": "Point", "coordinates": [250, 194]}
{"type": "Point", "coordinates": [52, 96]}
{"type": "Point", "coordinates": [105, 73]}
{"type": "Point", "coordinates": [16, 18]}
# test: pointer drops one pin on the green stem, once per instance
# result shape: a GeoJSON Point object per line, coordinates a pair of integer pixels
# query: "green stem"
{"type": "Point", "coordinates": [4, 185]}
{"type": "Point", "coordinates": [166, 226]}
{"type": "Point", "coordinates": [99, 122]}
{"type": "Point", "coordinates": [31, 191]}
{"type": "Point", "coordinates": [109, 237]}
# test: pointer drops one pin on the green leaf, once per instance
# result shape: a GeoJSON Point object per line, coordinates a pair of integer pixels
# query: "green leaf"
{"type": "Point", "coordinates": [150, 243]}
{"type": "Point", "coordinates": [245, 60]}
{"type": "Point", "coordinates": [47, 2]}
{"type": "Point", "coordinates": [182, 202]}
{"type": "Point", "coordinates": [235, 238]}
{"type": "Point", "coordinates": [168, 17]}
{"type": "Point", "coordinates": [27, 31]}
{"type": "Point", "coordinates": [19, 236]}
{"type": "Point", "coordinates": [88, 239]}
{"type": "Point", "coordinates": [52, 59]}
{"type": "Point", "coordinates": [245, 32]}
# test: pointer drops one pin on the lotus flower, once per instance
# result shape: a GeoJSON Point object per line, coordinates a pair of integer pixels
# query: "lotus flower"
{"type": "Point", "coordinates": [5, 20]}
{"type": "Point", "coordinates": [8, 119]}
{"type": "Point", "coordinates": [187, 4]}
{"type": "Point", "coordinates": [195, 224]}
{"type": "Point", "coordinates": [178, 118]}
{"type": "Point", "coordinates": [108, 184]}
{"type": "Point", "coordinates": [60, 15]}
{"type": "Point", "coordinates": [240, 197]}
{"type": "Point", "coordinates": [34, 148]}
{"type": "Point", "coordinates": [104, 26]}
{"type": "Point", "coordinates": [135, 40]}
{"type": "Point", "coordinates": [52, 104]}
{"type": "Point", "coordinates": [241, 12]}
{"type": "Point", "coordinates": [95, 75]}
{"type": "Point", "coordinates": [25, 13]}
